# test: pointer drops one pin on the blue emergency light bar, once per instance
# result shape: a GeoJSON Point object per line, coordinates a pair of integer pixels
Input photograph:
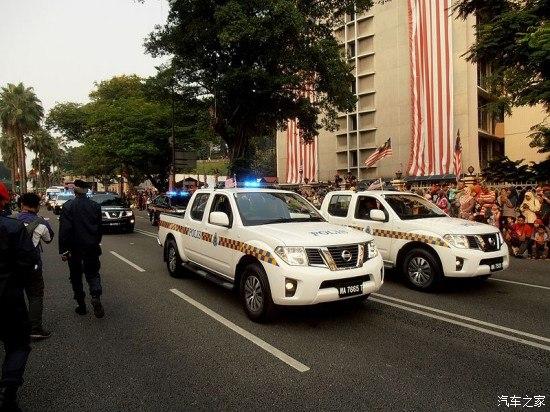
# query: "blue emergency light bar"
{"type": "Point", "coordinates": [176, 193]}
{"type": "Point", "coordinates": [252, 183]}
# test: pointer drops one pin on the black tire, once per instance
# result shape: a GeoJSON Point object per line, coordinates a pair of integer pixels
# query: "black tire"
{"type": "Point", "coordinates": [173, 259]}
{"type": "Point", "coordinates": [255, 294]}
{"type": "Point", "coordinates": [421, 270]}
{"type": "Point", "coordinates": [483, 278]}
{"type": "Point", "coordinates": [129, 229]}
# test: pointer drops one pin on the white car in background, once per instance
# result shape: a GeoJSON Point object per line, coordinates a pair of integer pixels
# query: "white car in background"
{"type": "Point", "coordinates": [419, 239]}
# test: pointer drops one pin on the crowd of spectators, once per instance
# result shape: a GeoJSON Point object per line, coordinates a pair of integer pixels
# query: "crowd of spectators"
{"type": "Point", "coordinates": [522, 214]}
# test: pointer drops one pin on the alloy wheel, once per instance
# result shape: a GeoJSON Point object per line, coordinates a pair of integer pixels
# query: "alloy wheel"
{"type": "Point", "coordinates": [419, 271]}
{"type": "Point", "coordinates": [253, 294]}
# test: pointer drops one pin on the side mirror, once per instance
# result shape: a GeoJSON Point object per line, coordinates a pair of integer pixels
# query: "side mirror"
{"type": "Point", "coordinates": [219, 219]}
{"type": "Point", "coordinates": [378, 215]}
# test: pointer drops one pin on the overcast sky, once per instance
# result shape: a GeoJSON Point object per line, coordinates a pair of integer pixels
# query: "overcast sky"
{"type": "Point", "coordinates": [61, 47]}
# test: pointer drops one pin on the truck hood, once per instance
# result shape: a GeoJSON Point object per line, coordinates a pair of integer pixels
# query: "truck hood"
{"type": "Point", "coordinates": [450, 225]}
{"type": "Point", "coordinates": [313, 234]}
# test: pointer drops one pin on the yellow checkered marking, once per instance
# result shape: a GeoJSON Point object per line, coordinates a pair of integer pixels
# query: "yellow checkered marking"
{"type": "Point", "coordinates": [415, 237]}
{"type": "Point", "coordinates": [242, 247]}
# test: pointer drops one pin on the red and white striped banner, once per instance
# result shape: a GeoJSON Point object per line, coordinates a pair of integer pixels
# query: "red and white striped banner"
{"type": "Point", "coordinates": [430, 41]}
{"type": "Point", "coordinates": [301, 160]}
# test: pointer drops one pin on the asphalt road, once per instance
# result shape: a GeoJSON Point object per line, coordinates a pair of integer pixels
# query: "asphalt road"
{"type": "Point", "coordinates": [457, 349]}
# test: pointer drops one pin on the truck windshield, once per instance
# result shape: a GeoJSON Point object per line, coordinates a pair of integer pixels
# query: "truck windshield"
{"type": "Point", "coordinates": [411, 206]}
{"type": "Point", "coordinates": [262, 208]}
{"type": "Point", "coordinates": [109, 200]}
{"type": "Point", "coordinates": [65, 196]}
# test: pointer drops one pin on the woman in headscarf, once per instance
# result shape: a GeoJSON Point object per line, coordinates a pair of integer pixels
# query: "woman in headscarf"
{"type": "Point", "coordinates": [530, 207]}
{"type": "Point", "coordinates": [467, 203]}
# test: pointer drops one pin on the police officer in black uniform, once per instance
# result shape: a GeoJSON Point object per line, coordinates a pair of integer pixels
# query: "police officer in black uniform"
{"type": "Point", "coordinates": [18, 256]}
{"type": "Point", "coordinates": [79, 244]}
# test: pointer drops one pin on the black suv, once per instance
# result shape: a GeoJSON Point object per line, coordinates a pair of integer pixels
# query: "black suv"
{"type": "Point", "coordinates": [170, 202]}
{"type": "Point", "coordinates": [115, 212]}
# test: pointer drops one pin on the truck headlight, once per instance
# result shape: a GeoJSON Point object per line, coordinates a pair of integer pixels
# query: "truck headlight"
{"type": "Point", "coordinates": [128, 213]}
{"type": "Point", "coordinates": [459, 241]}
{"type": "Point", "coordinates": [292, 255]}
{"type": "Point", "coordinates": [371, 250]}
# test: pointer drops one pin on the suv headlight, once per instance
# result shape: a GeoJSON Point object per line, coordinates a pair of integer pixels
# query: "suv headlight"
{"type": "Point", "coordinates": [292, 255]}
{"type": "Point", "coordinates": [128, 213]}
{"type": "Point", "coordinates": [459, 241]}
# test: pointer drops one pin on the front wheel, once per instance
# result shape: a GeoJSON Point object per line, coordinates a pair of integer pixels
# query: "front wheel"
{"type": "Point", "coordinates": [173, 259]}
{"type": "Point", "coordinates": [255, 294]}
{"type": "Point", "coordinates": [421, 270]}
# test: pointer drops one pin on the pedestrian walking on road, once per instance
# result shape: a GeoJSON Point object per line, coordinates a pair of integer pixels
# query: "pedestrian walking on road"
{"type": "Point", "coordinates": [79, 245]}
{"type": "Point", "coordinates": [40, 231]}
{"type": "Point", "coordinates": [18, 256]}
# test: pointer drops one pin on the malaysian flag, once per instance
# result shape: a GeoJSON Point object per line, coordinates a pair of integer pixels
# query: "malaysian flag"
{"type": "Point", "coordinates": [383, 151]}
{"type": "Point", "coordinates": [301, 156]}
{"type": "Point", "coordinates": [431, 62]}
{"type": "Point", "coordinates": [457, 158]}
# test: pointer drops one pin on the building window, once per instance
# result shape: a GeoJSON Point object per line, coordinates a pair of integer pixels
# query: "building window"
{"type": "Point", "coordinates": [353, 158]}
{"type": "Point", "coordinates": [351, 50]}
{"type": "Point", "coordinates": [354, 87]}
{"type": "Point", "coordinates": [352, 122]}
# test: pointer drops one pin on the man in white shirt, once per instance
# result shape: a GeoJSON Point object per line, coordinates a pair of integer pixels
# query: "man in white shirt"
{"type": "Point", "coordinates": [40, 231]}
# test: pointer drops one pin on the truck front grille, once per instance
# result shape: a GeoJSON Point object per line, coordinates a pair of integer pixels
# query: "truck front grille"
{"type": "Point", "coordinates": [487, 243]}
{"type": "Point", "coordinates": [345, 257]}
{"type": "Point", "coordinates": [314, 257]}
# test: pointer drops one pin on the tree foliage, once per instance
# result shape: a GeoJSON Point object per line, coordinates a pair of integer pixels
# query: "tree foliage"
{"type": "Point", "coordinates": [49, 152]}
{"type": "Point", "coordinates": [255, 59]}
{"type": "Point", "coordinates": [514, 37]}
{"type": "Point", "coordinates": [125, 129]}
{"type": "Point", "coordinates": [503, 169]}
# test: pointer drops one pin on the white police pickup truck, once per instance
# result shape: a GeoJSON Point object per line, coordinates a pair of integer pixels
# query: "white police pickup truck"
{"type": "Point", "coordinates": [272, 246]}
{"type": "Point", "coordinates": [416, 237]}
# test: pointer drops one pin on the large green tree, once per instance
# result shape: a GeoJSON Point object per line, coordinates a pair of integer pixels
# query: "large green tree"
{"type": "Point", "coordinates": [126, 127]}
{"type": "Point", "coordinates": [513, 36]}
{"type": "Point", "coordinates": [254, 59]}
{"type": "Point", "coordinates": [20, 113]}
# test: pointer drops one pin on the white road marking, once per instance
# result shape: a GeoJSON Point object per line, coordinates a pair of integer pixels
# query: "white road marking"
{"type": "Point", "coordinates": [146, 233]}
{"type": "Point", "coordinates": [465, 325]}
{"type": "Point", "coordinates": [519, 283]}
{"type": "Point", "coordinates": [136, 267]}
{"type": "Point", "coordinates": [300, 367]}
{"type": "Point", "coordinates": [466, 318]}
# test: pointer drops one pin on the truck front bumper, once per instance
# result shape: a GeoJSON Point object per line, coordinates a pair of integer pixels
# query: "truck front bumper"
{"type": "Point", "coordinates": [469, 263]}
{"type": "Point", "coordinates": [318, 285]}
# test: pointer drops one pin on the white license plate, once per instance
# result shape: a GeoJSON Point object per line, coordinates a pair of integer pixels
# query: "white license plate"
{"type": "Point", "coordinates": [496, 266]}
{"type": "Point", "coordinates": [350, 290]}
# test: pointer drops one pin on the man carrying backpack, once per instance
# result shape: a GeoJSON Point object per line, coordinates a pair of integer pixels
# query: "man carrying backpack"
{"type": "Point", "coordinates": [17, 257]}
{"type": "Point", "coordinates": [40, 231]}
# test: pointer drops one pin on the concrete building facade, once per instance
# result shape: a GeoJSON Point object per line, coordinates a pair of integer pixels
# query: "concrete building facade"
{"type": "Point", "coordinates": [377, 45]}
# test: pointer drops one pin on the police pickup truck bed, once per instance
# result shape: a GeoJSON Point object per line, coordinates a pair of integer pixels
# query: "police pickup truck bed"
{"type": "Point", "coordinates": [417, 238]}
{"type": "Point", "coordinates": [272, 246]}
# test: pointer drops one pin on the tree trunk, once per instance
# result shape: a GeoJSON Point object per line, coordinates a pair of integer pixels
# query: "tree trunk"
{"type": "Point", "coordinates": [21, 161]}
{"type": "Point", "coordinates": [240, 155]}
{"type": "Point", "coordinates": [13, 172]}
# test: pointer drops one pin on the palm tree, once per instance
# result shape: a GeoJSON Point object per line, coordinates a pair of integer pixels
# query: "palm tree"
{"type": "Point", "coordinates": [9, 156]}
{"type": "Point", "coordinates": [48, 150]}
{"type": "Point", "coordinates": [20, 113]}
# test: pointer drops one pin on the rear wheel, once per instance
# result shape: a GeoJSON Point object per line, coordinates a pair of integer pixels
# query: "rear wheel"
{"type": "Point", "coordinates": [255, 294]}
{"type": "Point", "coordinates": [421, 269]}
{"type": "Point", "coordinates": [173, 259]}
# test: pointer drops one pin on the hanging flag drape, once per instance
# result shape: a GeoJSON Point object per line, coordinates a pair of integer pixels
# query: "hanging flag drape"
{"type": "Point", "coordinates": [457, 158]}
{"type": "Point", "coordinates": [301, 160]}
{"type": "Point", "coordinates": [383, 151]}
{"type": "Point", "coordinates": [430, 41]}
